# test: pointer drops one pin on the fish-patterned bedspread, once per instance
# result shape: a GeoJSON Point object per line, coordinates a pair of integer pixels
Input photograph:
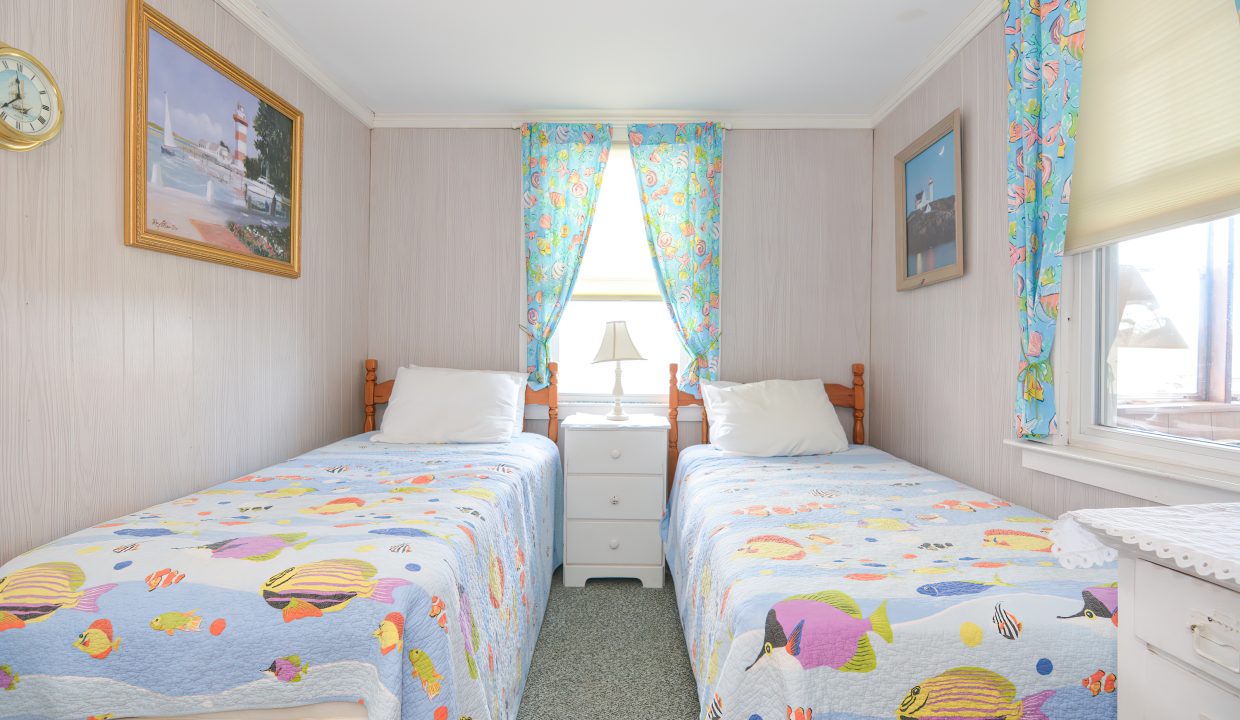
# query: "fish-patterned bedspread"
{"type": "Point", "coordinates": [858, 585]}
{"type": "Point", "coordinates": [410, 578]}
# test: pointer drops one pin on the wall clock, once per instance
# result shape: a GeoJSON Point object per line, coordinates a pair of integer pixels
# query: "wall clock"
{"type": "Point", "coordinates": [31, 109]}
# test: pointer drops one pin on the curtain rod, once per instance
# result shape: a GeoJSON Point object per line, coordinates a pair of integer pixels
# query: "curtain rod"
{"type": "Point", "coordinates": [724, 126]}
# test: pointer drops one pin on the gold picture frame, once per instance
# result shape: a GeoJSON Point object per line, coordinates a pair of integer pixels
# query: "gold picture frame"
{"type": "Point", "coordinates": [930, 226]}
{"type": "Point", "coordinates": [190, 189]}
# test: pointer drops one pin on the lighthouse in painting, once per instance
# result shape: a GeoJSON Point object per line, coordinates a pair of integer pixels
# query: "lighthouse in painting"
{"type": "Point", "coordinates": [243, 129]}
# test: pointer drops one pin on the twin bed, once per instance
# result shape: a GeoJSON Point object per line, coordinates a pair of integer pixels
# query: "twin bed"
{"type": "Point", "coordinates": [405, 581]}
{"type": "Point", "coordinates": [409, 581]}
{"type": "Point", "coordinates": [857, 585]}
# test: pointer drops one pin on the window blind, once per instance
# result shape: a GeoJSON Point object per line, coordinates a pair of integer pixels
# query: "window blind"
{"type": "Point", "coordinates": [1159, 127]}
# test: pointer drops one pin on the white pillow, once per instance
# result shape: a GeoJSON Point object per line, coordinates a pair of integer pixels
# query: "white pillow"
{"type": "Point", "coordinates": [774, 417]}
{"type": "Point", "coordinates": [519, 377]}
{"type": "Point", "coordinates": [440, 405]}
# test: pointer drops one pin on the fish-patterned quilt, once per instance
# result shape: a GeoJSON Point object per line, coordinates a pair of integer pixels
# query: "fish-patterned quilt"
{"type": "Point", "coordinates": [409, 578]}
{"type": "Point", "coordinates": [857, 585]}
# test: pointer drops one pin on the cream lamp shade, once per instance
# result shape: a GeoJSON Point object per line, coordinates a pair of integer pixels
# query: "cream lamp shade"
{"type": "Point", "coordinates": [617, 345]}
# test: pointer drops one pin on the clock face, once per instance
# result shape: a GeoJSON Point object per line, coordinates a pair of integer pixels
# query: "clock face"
{"type": "Point", "coordinates": [29, 101]}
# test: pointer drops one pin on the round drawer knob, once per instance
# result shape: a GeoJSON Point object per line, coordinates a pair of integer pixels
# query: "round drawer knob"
{"type": "Point", "coordinates": [613, 544]}
{"type": "Point", "coordinates": [615, 454]}
{"type": "Point", "coordinates": [615, 500]}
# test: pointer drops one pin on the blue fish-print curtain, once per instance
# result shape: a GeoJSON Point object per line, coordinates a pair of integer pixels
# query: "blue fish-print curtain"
{"type": "Point", "coordinates": [680, 177]}
{"type": "Point", "coordinates": [562, 170]}
{"type": "Point", "coordinates": [1045, 43]}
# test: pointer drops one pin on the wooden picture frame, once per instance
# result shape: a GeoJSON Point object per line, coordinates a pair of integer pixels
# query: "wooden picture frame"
{"type": "Point", "coordinates": [215, 174]}
{"type": "Point", "coordinates": [930, 227]}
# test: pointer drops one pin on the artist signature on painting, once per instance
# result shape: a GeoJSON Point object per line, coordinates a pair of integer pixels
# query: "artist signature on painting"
{"type": "Point", "coordinates": [163, 225]}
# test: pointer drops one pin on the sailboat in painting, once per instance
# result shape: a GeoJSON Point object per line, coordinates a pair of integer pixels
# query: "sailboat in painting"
{"type": "Point", "coordinates": [169, 147]}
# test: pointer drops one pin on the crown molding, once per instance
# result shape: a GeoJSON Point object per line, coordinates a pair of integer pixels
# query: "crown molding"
{"type": "Point", "coordinates": [730, 121]}
{"type": "Point", "coordinates": [973, 24]}
{"type": "Point", "coordinates": [249, 14]}
{"type": "Point", "coordinates": [253, 17]}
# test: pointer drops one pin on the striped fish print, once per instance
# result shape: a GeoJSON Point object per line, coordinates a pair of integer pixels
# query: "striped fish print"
{"type": "Point", "coordinates": [326, 586]}
{"type": "Point", "coordinates": [34, 593]}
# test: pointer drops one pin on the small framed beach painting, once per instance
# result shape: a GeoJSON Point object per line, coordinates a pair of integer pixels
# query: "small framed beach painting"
{"type": "Point", "coordinates": [214, 157]}
{"type": "Point", "coordinates": [929, 215]}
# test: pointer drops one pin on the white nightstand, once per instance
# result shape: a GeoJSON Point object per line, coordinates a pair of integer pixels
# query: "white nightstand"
{"type": "Point", "coordinates": [615, 478]}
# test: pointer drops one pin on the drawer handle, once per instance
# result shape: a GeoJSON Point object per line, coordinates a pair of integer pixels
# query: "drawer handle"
{"type": "Point", "coordinates": [615, 500]}
{"type": "Point", "coordinates": [1215, 650]}
{"type": "Point", "coordinates": [615, 454]}
{"type": "Point", "coordinates": [613, 544]}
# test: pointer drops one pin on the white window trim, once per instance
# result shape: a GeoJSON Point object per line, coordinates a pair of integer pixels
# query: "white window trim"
{"type": "Point", "coordinates": [1159, 469]}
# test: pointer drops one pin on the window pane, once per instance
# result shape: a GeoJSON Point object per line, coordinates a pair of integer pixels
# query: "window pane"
{"type": "Point", "coordinates": [617, 259]}
{"type": "Point", "coordinates": [581, 331]}
{"type": "Point", "coordinates": [1167, 321]}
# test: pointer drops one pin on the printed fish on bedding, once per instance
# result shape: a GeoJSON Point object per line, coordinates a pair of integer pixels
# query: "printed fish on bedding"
{"type": "Point", "coordinates": [824, 629]}
{"type": "Point", "coordinates": [968, 693]}
{"type": "Point", "coordinates": [33, 594]}
{"type": "Point", "coordinates": [326, 586]}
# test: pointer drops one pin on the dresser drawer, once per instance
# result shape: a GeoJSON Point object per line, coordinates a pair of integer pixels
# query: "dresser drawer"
{"type": "Point", "coordinates": [615, 497]}
{"type": "Point", "coordinates": [1174, 692]}
{"type": "Point", "coordinates": [631, 452]}
{"type": "Point", "coordinates": [1194, 621]}
{"type": "Point", "coordinates": [613, 543]}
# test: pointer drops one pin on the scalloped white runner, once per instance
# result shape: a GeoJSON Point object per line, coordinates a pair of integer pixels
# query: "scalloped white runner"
{"type": "Point", "coordinates": [1205, 538]}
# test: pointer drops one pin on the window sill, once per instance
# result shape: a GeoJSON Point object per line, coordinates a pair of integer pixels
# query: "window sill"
{"type": "Point", "coordinates": [569, 406]}
{"type": "Point", "coordinates": [1158, 482]}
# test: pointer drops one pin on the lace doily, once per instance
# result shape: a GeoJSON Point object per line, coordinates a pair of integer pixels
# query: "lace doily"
{"type": "Point", "coordinates": [1203, 538]}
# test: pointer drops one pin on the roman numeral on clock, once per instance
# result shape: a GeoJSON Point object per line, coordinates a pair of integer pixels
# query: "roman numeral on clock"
{"type": "Point", "coordinates": [47, 107]}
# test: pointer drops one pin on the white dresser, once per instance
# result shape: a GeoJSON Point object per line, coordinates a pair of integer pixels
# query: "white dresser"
{"type": "Point", "coordinates": [615, 479]}
{"type": "Point", "coordinates": [1179, 608]}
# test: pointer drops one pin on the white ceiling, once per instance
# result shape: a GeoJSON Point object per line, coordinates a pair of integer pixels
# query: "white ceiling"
{"type": "Point", "coordinates": [840, 60]}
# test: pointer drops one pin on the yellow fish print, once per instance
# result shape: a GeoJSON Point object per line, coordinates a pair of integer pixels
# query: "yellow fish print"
{"type": "Point", "coordinates": [424, 671]}
{"type": "Point", "coordinates": [890, 524]}
{"type": "Point", "coordinates": [170, 622]}
{"type": "Point", "coordinates": [34, 593]}
{"type": "Point", "coordinates": [326, 586]}
{"type": "Point", "coordinates": [96, 640]}
{"type": "Point", "coordinates": [391, 633]}
{"type": "Point", "coordinates": [970, 692]}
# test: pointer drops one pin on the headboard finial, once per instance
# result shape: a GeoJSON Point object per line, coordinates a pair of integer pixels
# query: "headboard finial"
{"type": "Point", "coordinates": [858, 370]}
{"type": "Point", "coordinates": [369, 397]}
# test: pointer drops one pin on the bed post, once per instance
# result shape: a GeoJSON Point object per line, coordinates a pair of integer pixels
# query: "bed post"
{"type": "Point", "coordinates": [368, 397]}
{"type": "Point", "coordinates": [553, 403]}
{"type": "Point", "coordinates": [858, 403]}
{"type": "Point", "coordinates": [673, 432]}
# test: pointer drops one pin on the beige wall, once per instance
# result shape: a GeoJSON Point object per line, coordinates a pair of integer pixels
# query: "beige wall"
{"type": "Point", "coordinates": [129, 377]}
{"type": "Point", "coordinates": [445, 223]}
{"type": "Point", "coordinates": [944, 357]}
{"type": "Point", "coordinates": [447, 278]}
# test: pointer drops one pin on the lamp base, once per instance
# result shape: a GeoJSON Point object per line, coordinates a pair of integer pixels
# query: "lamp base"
{"type": "Point", "coordinates": [617, 412]}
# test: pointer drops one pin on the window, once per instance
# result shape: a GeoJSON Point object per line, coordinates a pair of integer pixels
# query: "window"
{"type": "Point", "coordinates": [1166, 325]}
{"type": "Point", "coordinates": [616, 281]}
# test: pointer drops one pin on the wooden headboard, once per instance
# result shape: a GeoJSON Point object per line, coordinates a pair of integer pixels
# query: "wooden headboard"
{"type": "Point", "coordinates": [377, 393]}
{"type": "Point", "coordinates": [839, 395]}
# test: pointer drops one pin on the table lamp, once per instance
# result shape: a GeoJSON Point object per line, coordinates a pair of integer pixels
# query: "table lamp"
{"type": "Point", "coordinates": [616, 347]}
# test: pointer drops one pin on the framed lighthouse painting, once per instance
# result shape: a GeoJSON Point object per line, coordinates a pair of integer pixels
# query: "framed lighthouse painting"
{"type": "Point", "coordinates": [929, 217]}
{"type": "Point", "coordinates": [214, 157]}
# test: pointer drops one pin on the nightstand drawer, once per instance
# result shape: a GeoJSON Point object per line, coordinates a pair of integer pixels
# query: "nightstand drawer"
{"type": "Point", "coordinates": [614, 543]}
{"type": "Point", "coordinates": [1190, 619]}
{"type": "Point", "coordinates": [631, 452]}
{"type": "Point", "coordinates": [615, 497]}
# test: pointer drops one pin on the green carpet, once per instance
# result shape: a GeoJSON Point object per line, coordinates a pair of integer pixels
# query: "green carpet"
{"type": "Point", "coordinates": [610, 650]}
